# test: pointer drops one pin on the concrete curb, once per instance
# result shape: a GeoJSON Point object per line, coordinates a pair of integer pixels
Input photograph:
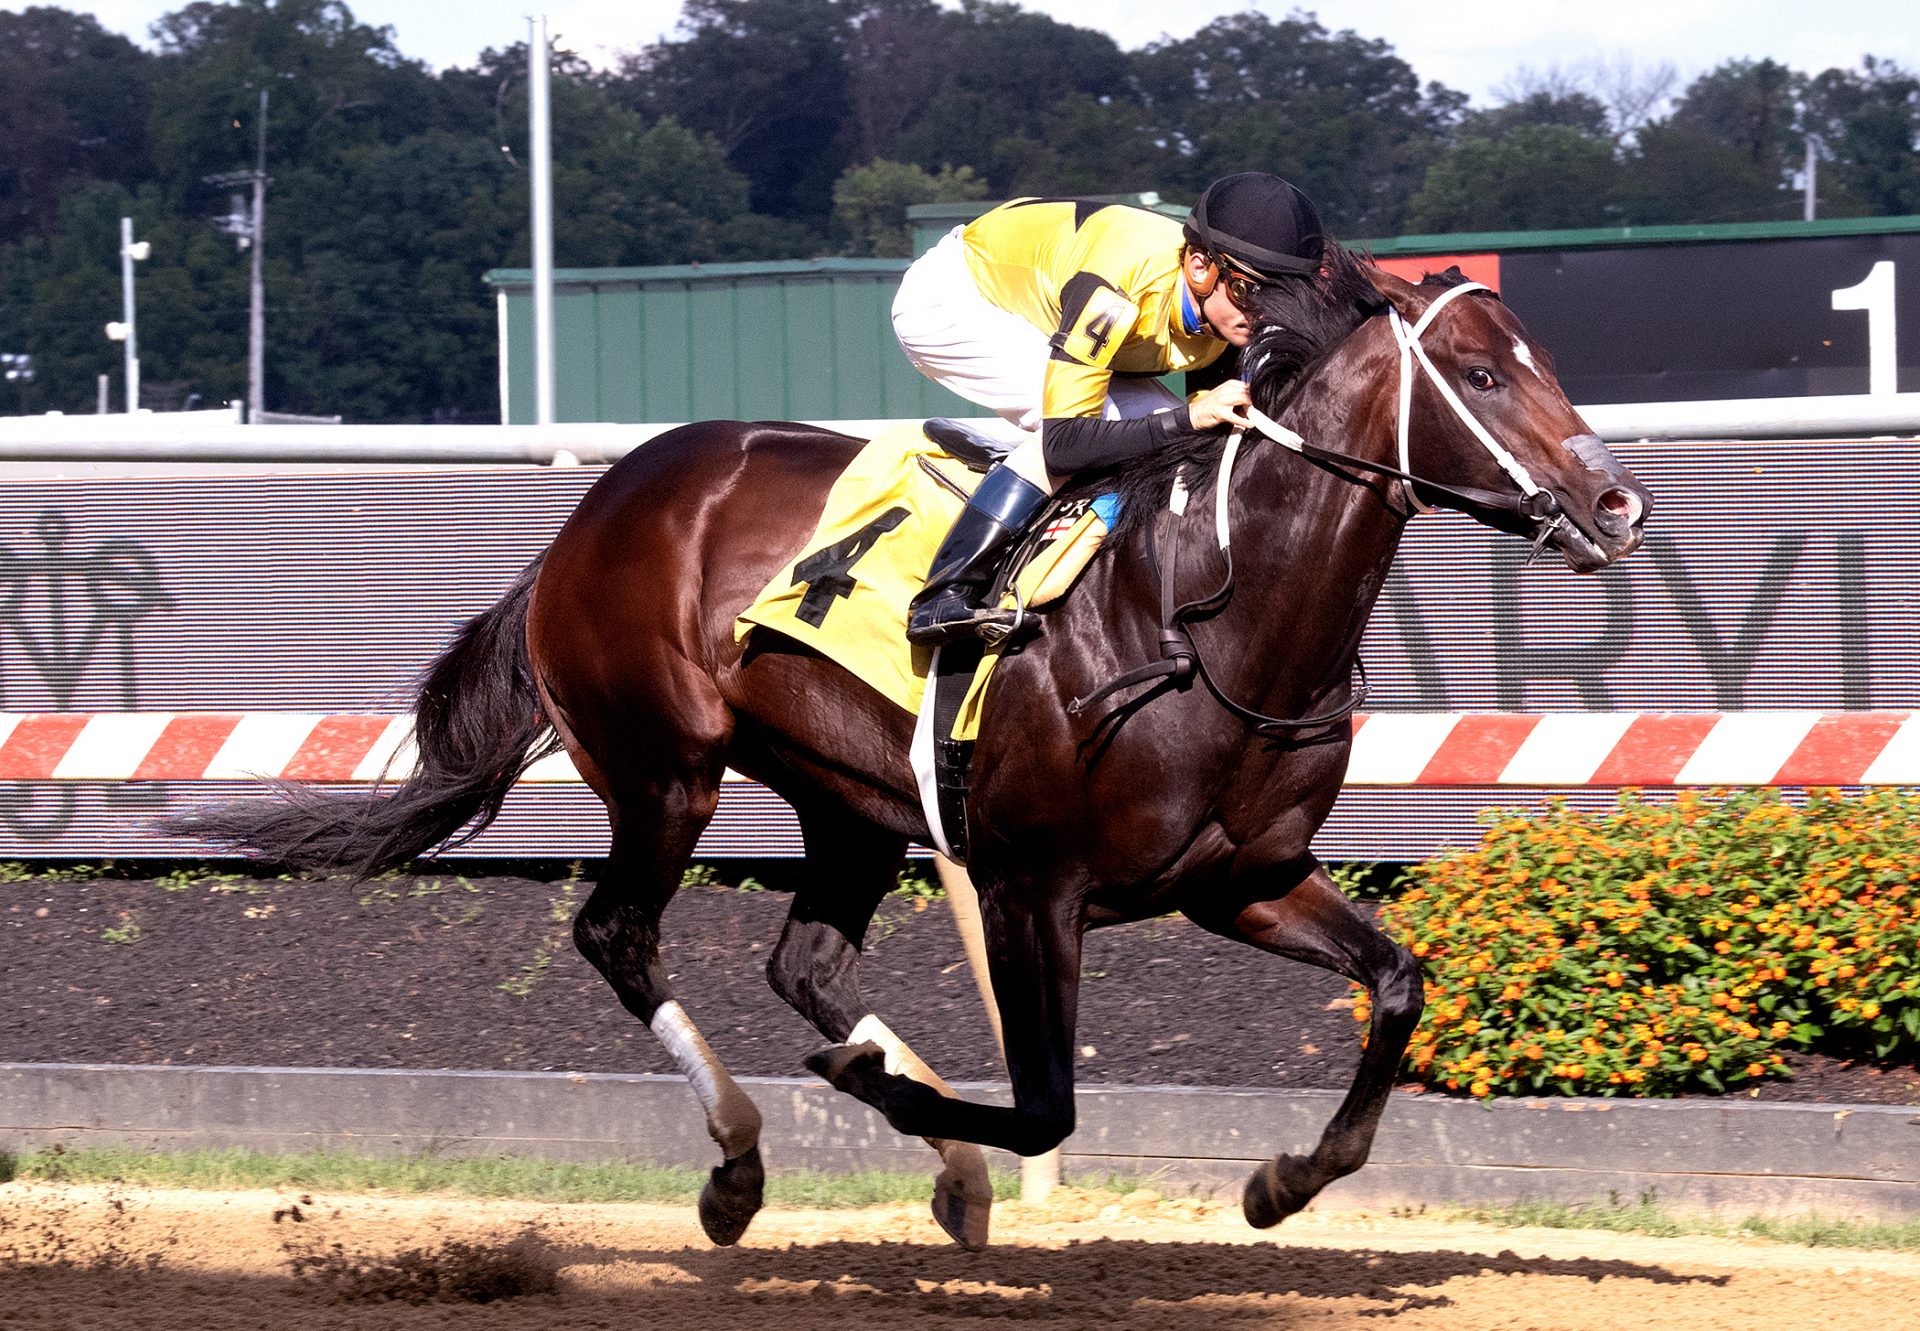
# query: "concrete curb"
{"type": "Point", "coordinates": [1733, 1156]}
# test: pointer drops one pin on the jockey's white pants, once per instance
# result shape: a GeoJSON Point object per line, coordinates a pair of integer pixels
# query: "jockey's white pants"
{"type": "Point", "coordinates": [964, 342]}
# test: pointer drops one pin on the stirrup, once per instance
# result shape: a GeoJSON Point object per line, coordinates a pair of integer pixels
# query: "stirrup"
{"type": "Point", "coordinates": [990, 623]}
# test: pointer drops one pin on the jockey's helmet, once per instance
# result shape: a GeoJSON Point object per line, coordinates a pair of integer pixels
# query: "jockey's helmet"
{"type": "Point", "coordinates": [1258, 223]}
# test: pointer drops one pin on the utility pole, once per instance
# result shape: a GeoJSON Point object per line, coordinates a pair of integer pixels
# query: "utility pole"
{"type": "Point", "coordinates": [257, 305]}
{"type": "Point", "coordinates": [249, 231]}
{"type": "Point", "coordinates": [539, 125]}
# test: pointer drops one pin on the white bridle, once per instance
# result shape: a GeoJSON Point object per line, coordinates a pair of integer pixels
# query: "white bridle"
{"type": "Point", "coordinates": [1408, 336]}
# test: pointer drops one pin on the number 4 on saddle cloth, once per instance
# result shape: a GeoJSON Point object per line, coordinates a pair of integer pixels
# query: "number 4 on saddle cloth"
{"type": "Point", "coordinates": [846, 594]}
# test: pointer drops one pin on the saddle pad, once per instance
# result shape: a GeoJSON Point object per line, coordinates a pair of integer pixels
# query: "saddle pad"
{"type": "Point", "coordinates": [846, 595]}
{"type": "Point", "coordinates": [1044, 578]}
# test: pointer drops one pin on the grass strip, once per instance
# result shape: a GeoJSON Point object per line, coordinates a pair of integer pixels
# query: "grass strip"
{"type": "Point", "coordinates": [1648, 1216]}
{"type": "Point", "coordinates": [527, 1179]}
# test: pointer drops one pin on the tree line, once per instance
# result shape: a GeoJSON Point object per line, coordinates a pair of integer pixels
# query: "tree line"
{"type": "Point", "coordinates": [772, 129]}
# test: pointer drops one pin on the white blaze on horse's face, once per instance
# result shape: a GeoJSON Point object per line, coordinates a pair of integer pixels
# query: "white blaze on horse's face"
{"type": "Point", "coordinates": [1524, 354]}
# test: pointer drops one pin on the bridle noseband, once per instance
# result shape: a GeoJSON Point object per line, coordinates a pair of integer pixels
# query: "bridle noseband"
{"type": "Point", "coordinates": [1181, 658]}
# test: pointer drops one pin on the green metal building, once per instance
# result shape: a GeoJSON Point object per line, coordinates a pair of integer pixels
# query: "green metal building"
{"type": "Point", "coordinates": [800, 341]}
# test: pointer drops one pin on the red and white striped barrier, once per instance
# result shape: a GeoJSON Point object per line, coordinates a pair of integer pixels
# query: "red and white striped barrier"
{"type": "Point", "coordinates": [1636, 749]}
{"type": "Point", "coordinates": [1389, 749]}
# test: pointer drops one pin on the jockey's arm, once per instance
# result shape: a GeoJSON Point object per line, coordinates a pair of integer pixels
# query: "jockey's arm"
{"type": "Point", "coordinates": [1095, 320]}
{"type": "Point", "coordinates": [1083, 441]}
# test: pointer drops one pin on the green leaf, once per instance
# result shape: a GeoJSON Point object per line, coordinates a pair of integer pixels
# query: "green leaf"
{"type": "Point", "coordinates": [1711, 1079]}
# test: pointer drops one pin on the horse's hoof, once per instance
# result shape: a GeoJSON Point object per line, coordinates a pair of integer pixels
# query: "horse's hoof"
{"type": "Point", "coordinates": [852, 1068]}
{"type": "Point", "coordinates": [732, 1197]}
{"type": "Point", "coordinates": [1276, 1190]}
{"type": "Point", "coordinates": [963, 1195]}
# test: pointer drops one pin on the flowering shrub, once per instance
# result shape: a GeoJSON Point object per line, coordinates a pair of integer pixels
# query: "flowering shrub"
{"type": "Point", "coordinates": [1658, 948]}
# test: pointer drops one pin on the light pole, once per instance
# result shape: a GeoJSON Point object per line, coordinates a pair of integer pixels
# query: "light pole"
{"type": "Point", "coordinates": [540, 131]}
{"type": "Point", "coordinates": [1811, 201]}
{"type": "Point", "coordinates": [122, 330]}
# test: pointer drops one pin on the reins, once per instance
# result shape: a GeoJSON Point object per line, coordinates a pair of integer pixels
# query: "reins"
{"type": "Point", "coordinates": [1180, 655]}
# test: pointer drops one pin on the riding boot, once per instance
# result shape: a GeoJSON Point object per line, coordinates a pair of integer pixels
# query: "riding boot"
{"type": "Point", "coordinates": [953, 603]}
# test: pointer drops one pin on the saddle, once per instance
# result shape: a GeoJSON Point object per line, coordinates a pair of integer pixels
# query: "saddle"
{"type": "Point", "coordinates": [846, 595]}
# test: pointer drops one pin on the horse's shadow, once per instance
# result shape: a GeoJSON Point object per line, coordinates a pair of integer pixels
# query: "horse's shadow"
{"type": "Point", "coordinates": [1084, 1279]}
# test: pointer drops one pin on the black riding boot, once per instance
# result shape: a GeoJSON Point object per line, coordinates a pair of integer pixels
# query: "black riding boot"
{"type": "Point", "coordinates": [952, 604]}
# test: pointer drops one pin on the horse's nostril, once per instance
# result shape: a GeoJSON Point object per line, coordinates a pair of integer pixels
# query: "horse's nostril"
{"type": "Point", "coordinates": [1623, 505]}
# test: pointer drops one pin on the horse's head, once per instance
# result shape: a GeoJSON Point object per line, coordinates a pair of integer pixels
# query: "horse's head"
{"type": "Point", "coordinates": [1484, 422]}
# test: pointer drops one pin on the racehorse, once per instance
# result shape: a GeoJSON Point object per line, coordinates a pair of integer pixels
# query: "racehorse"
{"type": "Point", "coordinates": [1197, 791]}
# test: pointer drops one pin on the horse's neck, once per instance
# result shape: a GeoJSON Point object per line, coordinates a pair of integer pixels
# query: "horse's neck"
{"type": "Point", "coordinates": [1311, 547]}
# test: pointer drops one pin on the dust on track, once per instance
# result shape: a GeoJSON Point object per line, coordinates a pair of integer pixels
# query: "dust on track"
{"type": "Point", "coordinates": [123, 1258]}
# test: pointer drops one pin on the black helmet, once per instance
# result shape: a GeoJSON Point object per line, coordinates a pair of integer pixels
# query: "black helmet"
{"type": "Point", "coordinates": [1261, 223]}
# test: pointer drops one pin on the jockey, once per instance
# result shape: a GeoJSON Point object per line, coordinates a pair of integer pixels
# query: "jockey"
{"type": "Point", "coordinates": [1058, 314]}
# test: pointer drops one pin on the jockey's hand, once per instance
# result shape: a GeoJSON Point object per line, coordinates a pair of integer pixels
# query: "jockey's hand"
{"type": "Point", "coordinates": [1220, 405]}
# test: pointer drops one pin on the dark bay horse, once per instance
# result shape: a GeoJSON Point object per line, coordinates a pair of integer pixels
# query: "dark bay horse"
{"type": "Point", "coordinates": [619, 641]}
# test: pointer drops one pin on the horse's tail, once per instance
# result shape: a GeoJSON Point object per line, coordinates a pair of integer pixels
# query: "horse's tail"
{"type": "Point", "coordinates": [477, 726]}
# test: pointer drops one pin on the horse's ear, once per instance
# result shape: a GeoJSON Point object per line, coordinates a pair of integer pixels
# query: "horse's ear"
{"type": "Point", "coordinates": [1398, 291]}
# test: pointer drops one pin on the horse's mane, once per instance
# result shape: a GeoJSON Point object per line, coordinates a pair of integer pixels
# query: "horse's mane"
{"type": "Point", "coordinates": [1296, 326]}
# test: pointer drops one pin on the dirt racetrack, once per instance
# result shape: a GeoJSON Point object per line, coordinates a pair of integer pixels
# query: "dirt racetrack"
{"type": "Point", "coordinates": [89, 1257]}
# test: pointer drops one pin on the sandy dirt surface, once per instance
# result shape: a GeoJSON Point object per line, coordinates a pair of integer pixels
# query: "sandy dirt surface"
{"type": "Point", "coordinates": [116, 1257]}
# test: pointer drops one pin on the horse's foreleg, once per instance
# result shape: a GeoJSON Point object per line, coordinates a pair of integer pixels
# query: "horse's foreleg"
{"type": "Point", "coordinates": [816, 968]}
{"type": "Point", "coordinates": [1035, 964]}
{"type": "Point", "coordinates": [618, 930]}
{"type": "Point", "coordinates": [1316, 923]}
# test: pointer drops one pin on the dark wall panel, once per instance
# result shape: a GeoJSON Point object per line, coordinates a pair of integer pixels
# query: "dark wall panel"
{"type": "Point", "coordinates": [1731, 319]}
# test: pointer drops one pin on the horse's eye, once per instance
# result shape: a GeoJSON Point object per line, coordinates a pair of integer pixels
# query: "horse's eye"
{"type": "Point", "coordinates": [1480, 377]}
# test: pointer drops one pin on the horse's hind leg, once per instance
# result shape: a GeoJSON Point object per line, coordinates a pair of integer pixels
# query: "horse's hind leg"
{"type": "Point", "coordinates": [1316, 923]}
{"type": "Point", "coordinates": [618, 930]}
{"type": "Point", "coordinates": [816, 968]}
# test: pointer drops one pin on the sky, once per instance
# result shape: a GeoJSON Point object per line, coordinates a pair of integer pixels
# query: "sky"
{"type": "Point", "coordinates": [1474, 46]}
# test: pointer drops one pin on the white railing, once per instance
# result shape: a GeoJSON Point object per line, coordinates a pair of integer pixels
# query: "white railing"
{"type": "Point", "coordinates": [213, 437]}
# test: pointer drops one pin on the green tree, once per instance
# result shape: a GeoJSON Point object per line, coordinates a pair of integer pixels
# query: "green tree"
{"type": "Point", "coordinates": [896, 55]}
{"type": "Point", "coordinates": [1750, 105]}
{"type": "Point", "coordinates": [1004, 76]}
{"type": "Point", "coordinates": [1578, 111]}
{"type": "Point", "coordinates": [1868, 122]}
{"type": "Point", "coordinates": [58, 291]}
{"type": "Point", "coordinates": [335, 84]}
{"type": "Point", "coordinates": [1535, 177]}
{"type": "Point", "coordinates": [768, 80]}
{"type": "Point", "coordinates": [1088, 146]}
{"type": "Point", "coordinates": [386, 317]}
{"type": "Point", "coordinates": [73, 107]}
{"type": "Point", "coordinates": [1676, 176]}
{"type": "Point", "coordinates": [1340, 115]}
{"type": "Point", "coordinates": [870, 203]}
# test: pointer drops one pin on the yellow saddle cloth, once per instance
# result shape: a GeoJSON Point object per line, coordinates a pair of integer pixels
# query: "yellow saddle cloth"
{"type": "Point", "coordinates": [847, 595]}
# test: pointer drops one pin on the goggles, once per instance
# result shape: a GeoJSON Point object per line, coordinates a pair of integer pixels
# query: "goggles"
{"type": "Point", "coordinates": [1241, 288]}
